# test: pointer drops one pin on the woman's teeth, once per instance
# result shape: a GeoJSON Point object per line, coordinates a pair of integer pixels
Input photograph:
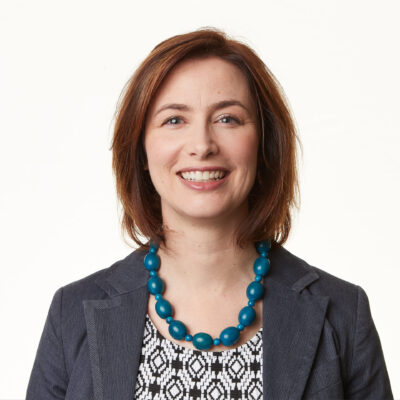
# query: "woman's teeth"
{"type": "Point", "coordinates": [203, 176]}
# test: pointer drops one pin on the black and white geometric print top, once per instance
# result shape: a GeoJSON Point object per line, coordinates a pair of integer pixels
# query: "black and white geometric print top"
{"type": "Point", "coordinates": [168, 370]}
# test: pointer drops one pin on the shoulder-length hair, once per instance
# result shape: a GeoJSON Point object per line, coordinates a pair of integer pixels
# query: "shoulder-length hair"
{"type": "Point", "coordinates": [275, 190]}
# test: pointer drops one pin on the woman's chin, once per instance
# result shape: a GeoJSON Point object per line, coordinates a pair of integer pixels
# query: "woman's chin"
{"type": "Point", "coordinates": [206, 215]}
{"type": "Point", "coordinates": [211, 213]}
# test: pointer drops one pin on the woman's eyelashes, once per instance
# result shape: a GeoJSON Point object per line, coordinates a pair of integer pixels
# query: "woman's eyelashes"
{"type": "Point", "coordinates": [172, 121]}
{"type": "Point", "coordinates": [224, 119]}
{"type": "Point", "coordinates": [229, 117]}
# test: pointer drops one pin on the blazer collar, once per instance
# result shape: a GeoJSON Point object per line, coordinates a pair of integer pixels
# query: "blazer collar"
{"type": "Point", "coordinates": [292, 324]}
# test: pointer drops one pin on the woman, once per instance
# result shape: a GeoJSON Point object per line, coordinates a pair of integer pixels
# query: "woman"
{"type": "Point", "coordinates": [210, 305]}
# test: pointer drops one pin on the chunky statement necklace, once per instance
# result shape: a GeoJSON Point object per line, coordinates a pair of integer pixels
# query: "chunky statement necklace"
{"type": "Point", "coordinates": [203, 341]}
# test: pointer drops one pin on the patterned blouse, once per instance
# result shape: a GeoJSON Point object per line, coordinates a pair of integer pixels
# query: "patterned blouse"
{"type": "Point", "coordinates": [168, 370]}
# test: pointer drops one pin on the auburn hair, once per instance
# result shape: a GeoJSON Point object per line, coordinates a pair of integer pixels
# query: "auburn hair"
{"type": "Point", "coordinates": [275, 191]}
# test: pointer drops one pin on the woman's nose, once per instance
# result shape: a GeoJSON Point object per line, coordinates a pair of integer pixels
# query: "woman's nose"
{"type": "Point", "coordinates": [201, 142]}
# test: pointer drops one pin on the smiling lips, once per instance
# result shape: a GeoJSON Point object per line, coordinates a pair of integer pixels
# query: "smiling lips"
{"type": "Point", "coordinates": [203, 180]}
{"type": "Point", "coordinates": [203, 176]}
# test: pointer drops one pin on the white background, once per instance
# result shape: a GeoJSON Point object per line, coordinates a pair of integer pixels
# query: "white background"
{"type": "Point", "coordinates": [63, 66]}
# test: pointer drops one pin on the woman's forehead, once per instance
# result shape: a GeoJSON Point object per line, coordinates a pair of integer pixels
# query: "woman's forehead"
{"type": "Point", "coordinates": [200, 82]}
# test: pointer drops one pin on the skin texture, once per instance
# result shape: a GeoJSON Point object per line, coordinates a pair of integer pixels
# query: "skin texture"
{"type": "Point", "coordinates": [205, 273]}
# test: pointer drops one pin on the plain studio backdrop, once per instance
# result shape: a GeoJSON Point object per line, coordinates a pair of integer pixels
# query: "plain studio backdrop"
{"type": "Point", "coordinates": [63, 66]}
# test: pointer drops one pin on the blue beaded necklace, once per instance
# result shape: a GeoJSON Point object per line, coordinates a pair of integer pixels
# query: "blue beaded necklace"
{"type": "Point", "coordinates": [203, 341]}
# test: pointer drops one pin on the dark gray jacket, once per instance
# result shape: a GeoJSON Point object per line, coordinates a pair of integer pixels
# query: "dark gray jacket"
{"type": "Point", "coordinates": [319, 339]}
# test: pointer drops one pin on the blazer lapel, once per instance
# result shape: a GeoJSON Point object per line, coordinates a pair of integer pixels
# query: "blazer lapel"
{"type": "Point", "coordinates": [292, 325]}
{"type": "Point", "coordinates": [115, 330]}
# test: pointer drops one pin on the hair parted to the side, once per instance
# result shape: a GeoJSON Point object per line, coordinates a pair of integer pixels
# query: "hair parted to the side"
{"type": "Point", "coordinates": [275, 191]}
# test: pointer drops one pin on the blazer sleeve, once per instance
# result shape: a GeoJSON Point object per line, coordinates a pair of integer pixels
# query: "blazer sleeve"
{"type": "Point", "coordinates": [368, 377]}
{"type": "Point", "coordinates": [49, 379]}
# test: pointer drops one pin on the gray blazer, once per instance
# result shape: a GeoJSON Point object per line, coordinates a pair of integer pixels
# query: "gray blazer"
{"type": "Point", "coordinates": [319, 339]}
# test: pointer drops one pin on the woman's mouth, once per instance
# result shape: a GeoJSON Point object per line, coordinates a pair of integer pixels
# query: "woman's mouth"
{"type": "Point", "coordinates": [203, 176]}
{"type": "Point", "coordinates": [203, 180]}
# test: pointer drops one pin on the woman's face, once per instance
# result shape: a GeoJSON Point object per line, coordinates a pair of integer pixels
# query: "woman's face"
{"type": "Point", "coordinates": [202, 119]}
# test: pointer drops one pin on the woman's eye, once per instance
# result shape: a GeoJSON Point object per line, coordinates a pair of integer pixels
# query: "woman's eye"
{"type": "Point", "coordinates": [228, 119]}
{"type": "Point", "coordinates": [173, 121]}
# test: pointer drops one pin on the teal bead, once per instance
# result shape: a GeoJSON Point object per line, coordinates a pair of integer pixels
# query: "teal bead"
{"type": "Point", "coordinates": [217, 342]}
{"type": "Point", "coordinates": [151, 261]}
{"type": "Point", "coordinates": [163, 308]}
{"type": "Point", "coordinates": [202, 341]}
{"type": "Point", "coordinates": [247, 315]}
{"type": "Point", "coordinates": [258, 278]}
{"type": "Point", "coordinates": [240, 327]}
{"type": "Point", "coordinates": [229, 336]}
{"type": "Point", "coordinates": [263, 246]}
{"type": "Point", "coordinates": [169, 320]}
{"type": "Point", "coordinates": [158, 296]}
{"type": "Point", "coordinates": [153, 247]}
{"type": "Point", "coordinates": [177, 330]}
{"type": "Point", "coordinates": [251, 303]}
{"type": "Point", "coordinates": [255, 290]}
{"type": "Point", "coordinates": [153, 273]}
{"type": "Point", "coordinates": [261, 266]}
{"type": "Point", "coordinates": [188, 338]}
{"type": "Point", "coordinates": [155, 285]}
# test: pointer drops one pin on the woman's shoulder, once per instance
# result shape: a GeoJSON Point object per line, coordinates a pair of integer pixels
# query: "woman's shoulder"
{"type": "Point", "coordinates": [294, 276]}
{"type": "Point", "coordinates": [299, 275]}
{"type": "Point", "coordinates": [123, 275]}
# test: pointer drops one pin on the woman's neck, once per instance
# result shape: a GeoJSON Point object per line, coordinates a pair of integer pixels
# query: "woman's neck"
{"type": "Point", "coordinates": [200, 260]}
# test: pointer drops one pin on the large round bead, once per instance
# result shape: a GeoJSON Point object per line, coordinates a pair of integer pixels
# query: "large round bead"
{"type": "Point", "coordinates": [264, 246]}
{"type": "Point", "coordinates": [151, 261]}
{"type": "Point", "coordinates": [261, 266]}
{"type": "Point", "coordinates": [177, 329]}
{"type": "Point", "coordinates": [202, 341]}
{"type": "Point", "coordinates": [247, 315]}
{"type": "Point", "coordinates": [155, 285]}
{"type": "Point", "coordinates": [229, 336]}
{"type": "Point", "coordinates": [163, 308]}
{"type": "Point", "coordinates": [255, 290]}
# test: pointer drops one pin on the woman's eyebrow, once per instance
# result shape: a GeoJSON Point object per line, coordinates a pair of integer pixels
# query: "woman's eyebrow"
{"type": "Point", "coordinates": [213, 107]}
